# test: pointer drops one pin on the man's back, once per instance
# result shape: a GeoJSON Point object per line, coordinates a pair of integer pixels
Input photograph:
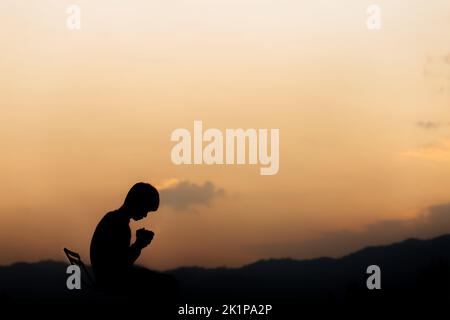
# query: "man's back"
{"type": "Point", "coordinates": [109, 247]}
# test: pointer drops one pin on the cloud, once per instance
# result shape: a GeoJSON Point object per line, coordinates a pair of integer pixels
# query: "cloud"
{"type": "Point", "coordinates": [431, 125]}
{"type": "Point", "coordinates": [431, 222]}
{"type": "Point", "coordinates": [446, 58]}
{"type": "Point", "coordinates": [184, 194]}
{"type": "Point", "coordinates": [436, 70]}
{"type": "Point", "coordinates": [438, 151]}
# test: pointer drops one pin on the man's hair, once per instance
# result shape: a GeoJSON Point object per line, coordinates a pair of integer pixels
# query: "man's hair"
{"type": "Point", "coordinates": [142, 195]}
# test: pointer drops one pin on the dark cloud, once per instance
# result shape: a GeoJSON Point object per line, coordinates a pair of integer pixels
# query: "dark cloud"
{"type": "Point", "coordinates": [431, 222]}
{"type": "Point", "coordinates": [185, 194]}
{"type": "Point", "coordinates": [431, 125]}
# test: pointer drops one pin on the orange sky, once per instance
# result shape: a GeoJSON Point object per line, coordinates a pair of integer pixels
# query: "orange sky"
{"type": "Point", "coordinates": [85, 114]}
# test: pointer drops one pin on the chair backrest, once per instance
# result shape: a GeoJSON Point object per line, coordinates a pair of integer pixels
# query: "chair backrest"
{"type": "Point", "coordinates": [75, 259]}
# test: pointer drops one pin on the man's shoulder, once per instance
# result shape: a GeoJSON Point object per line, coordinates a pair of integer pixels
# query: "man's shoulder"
{"type": "Point", "coordinates": [111, 222]}
{"type": "Point", "coordinates": [113, 217]}
{"type": "Point", "coordinates": [111, 214]}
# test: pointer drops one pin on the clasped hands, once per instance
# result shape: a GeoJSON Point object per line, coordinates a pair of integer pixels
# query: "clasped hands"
{"type": "Point", "coordinates": [144, 237]}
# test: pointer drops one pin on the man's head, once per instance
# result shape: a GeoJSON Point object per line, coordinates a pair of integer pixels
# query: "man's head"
{"type": "Point", "coordinates": [141, 199]}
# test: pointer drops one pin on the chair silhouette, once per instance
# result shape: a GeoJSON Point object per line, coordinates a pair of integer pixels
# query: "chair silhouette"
{"type": "Point", "coordinates": [75, 259]}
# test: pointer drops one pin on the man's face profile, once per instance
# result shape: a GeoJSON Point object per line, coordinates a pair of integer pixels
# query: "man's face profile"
{"type": "Point", "coordinates": [141, 212]}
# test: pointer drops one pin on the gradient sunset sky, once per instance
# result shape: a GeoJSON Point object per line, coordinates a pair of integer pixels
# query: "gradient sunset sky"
{"type": "Point", "coordinates": [364, 119]}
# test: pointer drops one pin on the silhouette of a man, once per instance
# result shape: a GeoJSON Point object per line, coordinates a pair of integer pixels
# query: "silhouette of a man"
{"type": "Point", "coordinates": [112, 254]}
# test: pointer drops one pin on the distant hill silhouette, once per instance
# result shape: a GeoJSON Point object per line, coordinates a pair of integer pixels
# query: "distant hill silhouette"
{"type": "Point", "coordinates": [413, 268]}
{"type": "Point", "coordinates": [412, 272]}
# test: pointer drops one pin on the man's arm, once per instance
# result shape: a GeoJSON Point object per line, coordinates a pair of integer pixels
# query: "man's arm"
{"type": "Point", "coordinates": [133, 253]}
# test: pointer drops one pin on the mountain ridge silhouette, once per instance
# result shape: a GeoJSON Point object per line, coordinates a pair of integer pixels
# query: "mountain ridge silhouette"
{"type": "Point", "coordinates": [413, 272]}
